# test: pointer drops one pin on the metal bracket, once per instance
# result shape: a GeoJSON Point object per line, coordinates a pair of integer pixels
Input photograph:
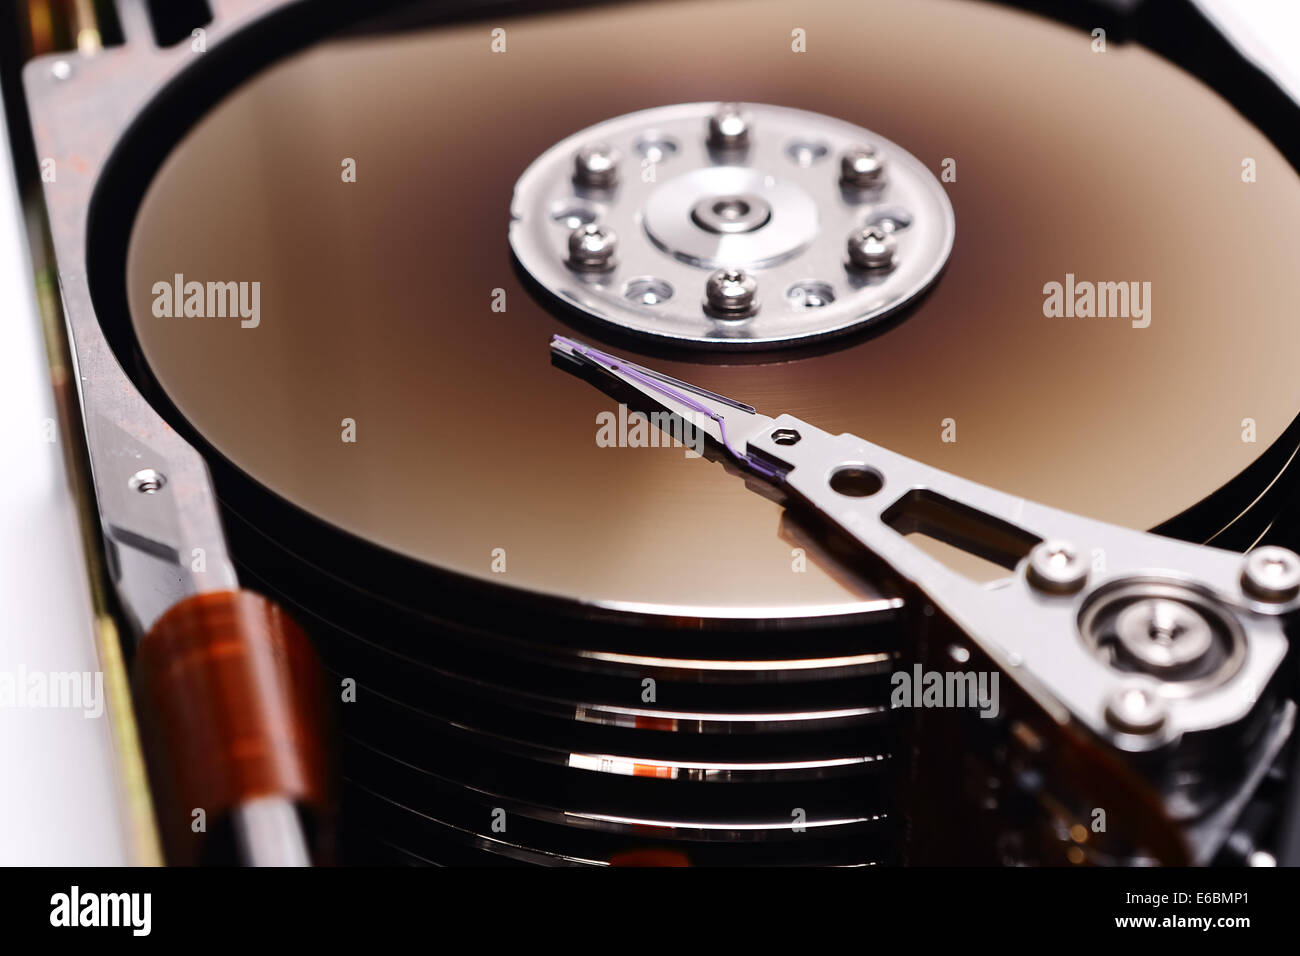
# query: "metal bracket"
{"type": "Point", "coordinates": [1067, 571]}
{"type": "Point", "coordinates": [155, 496]}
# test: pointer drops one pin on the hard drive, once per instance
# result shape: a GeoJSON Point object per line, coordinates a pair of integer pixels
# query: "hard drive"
{"type": "Point", "coordinates": [401, 588]}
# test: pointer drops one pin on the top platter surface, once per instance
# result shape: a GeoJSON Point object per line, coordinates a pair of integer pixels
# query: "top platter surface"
{"type": "Point", "coordinates": [376, 295]}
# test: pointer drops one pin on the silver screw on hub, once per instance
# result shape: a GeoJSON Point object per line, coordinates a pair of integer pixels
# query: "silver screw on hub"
{"type": "Point", "coordinates": [1135, 709]}
{"type": "Point", "coordinates": [862, 167]}
{"type": "Point", "coordinates": [591, 248]}
{"type": "Point", "coordinates": [729, 128]}
{"type": "Point", "coordinates": [596, 166]}
{"type": "Point", "coordinates": [731, 294]}
{"type": "Point", "coordinates": [1272, 573]}
{"type": "Point", "coordinates": [872, 248]}
{"type": "Point", "coordinates": [1057, 567]}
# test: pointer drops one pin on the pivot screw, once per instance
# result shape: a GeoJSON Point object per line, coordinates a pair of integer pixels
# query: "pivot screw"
{"type": "Point", "coordinates": [862, 167]}
{"type": "Point", "coordinates": [1271, 573]}
{"type": "Point", "coordinates": [731, 294]}
{"type": "Point", "coordinates": [872, 248]}
{"type": "Point", "coordinates": [591, 248]}
{"type": "Point", "coordinates": [596, 166]}
{"type": "Point", "coordinates": [1164, 634]}
{"type": "Point", "coordinates": [1056, 567]}
{"type": "Point", "coordinates": [1135, 709]}
{"type": "Point", "coordinates": [729, 128]}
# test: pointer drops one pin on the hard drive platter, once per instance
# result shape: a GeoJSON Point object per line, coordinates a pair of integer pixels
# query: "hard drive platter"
{"type": "Point", "coordinates": [557, 636]}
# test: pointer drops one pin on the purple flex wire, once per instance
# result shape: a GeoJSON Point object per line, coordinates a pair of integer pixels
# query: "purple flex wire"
{"type": "Point", "coordinates": [616, 365]}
